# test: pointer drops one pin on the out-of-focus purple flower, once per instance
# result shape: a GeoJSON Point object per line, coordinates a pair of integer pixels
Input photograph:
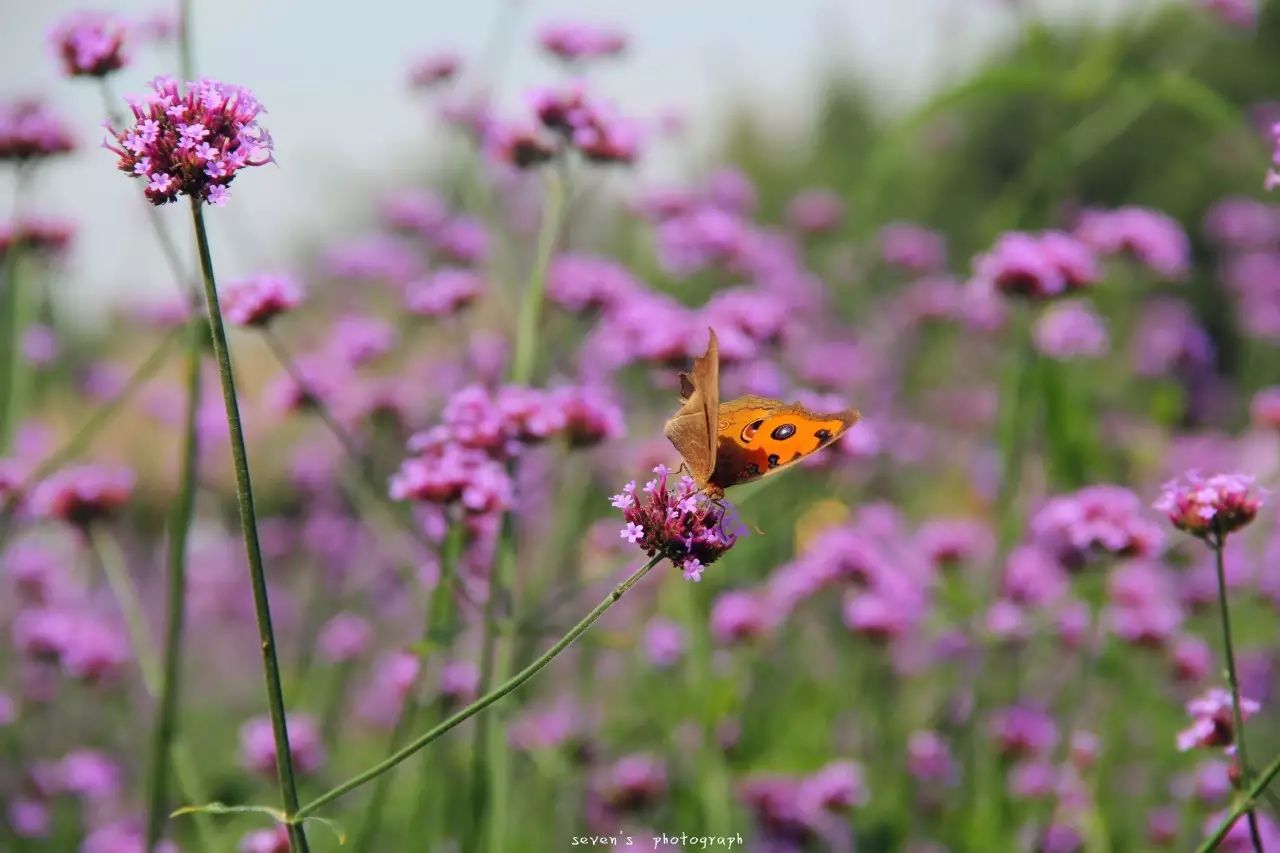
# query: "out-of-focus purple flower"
{"type": "Point", "coordinates": [739, 616]}
{"type": "Point", "coordinates": [591, 415]}
{"type": "Point", "coordinates": [1254, 279]}
{"type": "Point", "coordinates": [459, 682]}
{"type": "Point", "coordinates": [29, 131]}
{"type": "Point", "coordinates": [1162, 826]}
{"type": "Point", "coordinates": [39, 345]}
{"type": "Point", "coordinates": [90, 774]}
{"type": "Point", "coordinates": [89, 44]}
{"type": "Point", "coordinates": [1239, 838]}
{"type": "Point", "coordinates": [1024, 731]}
{"type": "Point", "coordinates": [1169, 338]}
{"type": "Point", "coordinates": [30, 817]}
{"type": "Point", "coordinates": [545, 728]}
{"type": "Point", "coordinates": [593, 127]}
{"type": "Point", "coordinates": [8, 710]}
{"type": "Point", "coordinates": [344, 637]}
{"type": "Point", "coordinates": [1192, 659]}
{"type": "Point", "coordinates": [192, 143]}
{"type": "Point", "coordinates": [1035, 265]}
{"type": "Point", "coordinates": [633, 782]}
{"type": "Point", "coordinates": [1032, 577]}
{"type": "Point", "coordinates": [1096, 519]}
{"type": "Point", "coordinates": [394, 676]}
{"type": "Point", "coordinates": [462, 240]}
{"type": "Point", "coordinates": [1212, 722]}
{"type": "Point", "coordinates": [1143, 605]}
{"type": "Point", "coordinates": [273, 840]}
{"type": "Point", "coordinates": [837, 787]}
{"type": "Point", "coordinates": [1265, 407]}
{"type": "Point", "coordinates": [1238, 14]}
{"type": "Point", "coordinates": [82, 494]}
{"type": "Point", "coordinates": [1069, 330]}
{"type": "Point", "coordinates": [413, 210]}
{"type": "Point", "coordinates": [706, 236]}
{"type": "Point", "coordinates": [523, 145]}
{"type": "Point", "coordinates": [815, 211]}
{"type": "Point", "coordinates": [43, 236]}
{"type": "Point", "coordinates": [1006, 621]}
{"type": "Point", "coordinates": [361, 339]}
{"type": "Point", "coordinates": [122, 836]}
{"type": "Point", "coordinates": [730, 189]}
{"type": "Point", "coordinates": [430, 70]}
{"type": "Point", "coordinates": [1060, 838]}
{"type": "Point", "coordinates": [1243, 223]}
{"type": "Point", "coordinates": [913, 247]}
{"type": "Point", "coordinates": [948, 542]}
{"type": "Point", "coordinates": [574, 41]}
{"type": "Point", "coordinates": [258, 746]}
{"type": "Point", "coordinates": [1032, 779]}
{"type": "Point", "coordinates": [580, 282]}
{"type": "Point", "coordinates": [1155, 239]}
{"type": "Point", "coordinates": [682, 525]}
{"type": "Point", "coordinates": [794, 810]}
{"type": "Point", "coordinates": [379, 258]}
{"type": "Point", "coordinates": [664, 642]}
{"type": "Point", "coordinates": [1212, 506]}
{"type": "Point", "coordinates": [258, 299]}
{"type": "Point", "coordinates": [445, 292]}
{"type": "Point", "coordinates": [929, 759]}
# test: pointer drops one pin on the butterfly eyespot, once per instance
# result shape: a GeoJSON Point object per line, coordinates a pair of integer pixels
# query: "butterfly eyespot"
{"type": "Point", "coordinates": [823, 435]}
{"type": "Point", "coordinates": [749, 431]}
{"type": "Point", "coordinates": [783, 432]}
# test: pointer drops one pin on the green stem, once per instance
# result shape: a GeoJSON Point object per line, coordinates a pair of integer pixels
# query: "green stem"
{"type": "Point", "coordinates": [1219, 561]}
{"type": "Point", "coordinates": [110, 561]}
{"type": "Point", "coordinates": [435, 631]}
{"type": "Point", "coordinates": [11, 361]}
{"type": "Point", "coordinates": [249, 527]}
{"type": "Point", "coordinates": [483, 702]}
{"type": "Point", "coordinates": [179, 528]}
{"type": "Point", "coordinates": [481, 773]}
{"type": "Point", "coordinates": [1245, 804]}
{"type": "Point", "coordinates": [531, 306]}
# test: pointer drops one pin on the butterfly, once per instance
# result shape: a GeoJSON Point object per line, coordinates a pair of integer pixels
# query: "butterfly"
{"type": "Point", "coordinates": [726, 444]}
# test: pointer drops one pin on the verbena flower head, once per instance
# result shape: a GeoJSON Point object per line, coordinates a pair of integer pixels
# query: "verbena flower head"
{"type": "Point", "coordinates": [1265, 407]}
{"type": "Point", "coordinates": [1168, 338]}
{"type": "Point", "coordinates": [431, 70]}
{"type": "Point", "coordinates": [1022, 731]}
{"type": "Point", "coordinates": [44, 236]}
{"type": "Point", "coordinates": [343, 638]}
{"type": "Point", "coordinates": [445, 292]}
{"type": "Point", "coordinates": [930, 760]}
{"type": "Point", "coordinates": [90, 44]}
{"type": "Point", "coordinates": [258, 299]}
{"type": "Point", "coordinates": [580, 282]}
{"type": "Point", "coordinates": [591, 414]}
{"type": "Point", "coordinates": [574, 41]}
{"type": "Point", "coordinates": [1100, 519]}
{"type": "Point", "coordinates": [1155, 239]}
{"type": "Point", "coordinates": [1070, 330]}
{"type": "Point", "coordinates": [1209, 506]}
{"type": "Point", "coordinates": [681, 524]}
{"type": "Point", "coordinates": [1036, 265]}
{"type": "Point", "coordinates": [1243, 223]}
{"type": "Point", "coordinates": [913, 247]}
{"type": "Point", "coordinates": [30, 131]}
{"type": "Point", "coordinates": [591, 126]}
{"type": "Point", "coordinates": [191, 143]}
{"type": "Point", "coordinates": [82, 494]}
{"type": "Point", "coordinates": [1238, 14]}
{"type": "Point", "coordinates": [815, 211]}
{"type": "Point", "coordinates": [1212, 721]}
{"type": "Point", "coordinates": [1273, 174]}
{"type": "Point", "coordinates": [258, 746]}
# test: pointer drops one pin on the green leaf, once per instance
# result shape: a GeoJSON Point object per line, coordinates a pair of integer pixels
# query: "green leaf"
{"type": "Point", "coordinates": [223, 809]}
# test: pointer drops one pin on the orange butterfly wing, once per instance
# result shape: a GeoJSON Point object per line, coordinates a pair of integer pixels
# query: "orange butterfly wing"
{"type": "Point", "coordinates": [757, 436]}
{"type": "Point", "coordinates": [693, 429]}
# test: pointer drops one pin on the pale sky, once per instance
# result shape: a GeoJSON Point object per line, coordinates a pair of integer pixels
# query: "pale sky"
{"type": "Point", "coordinates": [331, 75]}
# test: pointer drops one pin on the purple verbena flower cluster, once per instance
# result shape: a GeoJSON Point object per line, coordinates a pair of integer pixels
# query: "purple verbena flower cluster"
{"type": "Point", "coordinates": [191, 143]}
{"type": "Point", "coordinates": [1210, 507]}
{"type": "Point", "coordinates": [680, 523]}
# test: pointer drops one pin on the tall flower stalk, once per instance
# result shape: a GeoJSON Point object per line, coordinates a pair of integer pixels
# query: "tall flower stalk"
{"type": "Point", "coordinates": [1210, 509]}
{"type": "Point", "coordinates": [249, 527]}
{"type": "Point", "coordinates": [176, 570]}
